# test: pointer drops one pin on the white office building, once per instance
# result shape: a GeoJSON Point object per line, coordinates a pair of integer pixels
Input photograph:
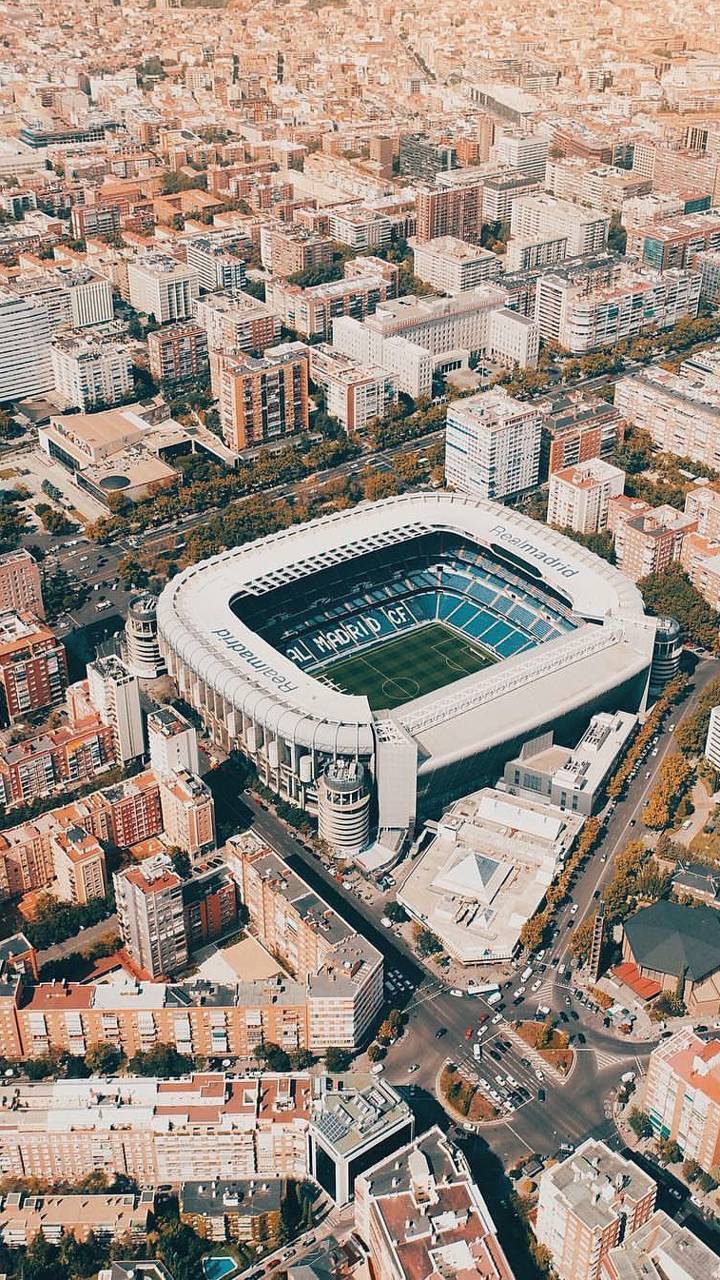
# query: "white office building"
{"type": "Point", "coordinates": [172, 740]}
{"type": "Point", "coordinates": [451, 265]}
{"type": "Point", "coordinates": [162, 287]}
{"type": "Point", "coordinates": [25, 365]}
{"type": "Point", "coordinates": [492, 445]}
{"type": "Point", "coordinates": [90, 374]}
{"type": "Point", "coordinates": [543, 217]}
{"type": "Point", "coordinates": [115, 694]}
{"type": "Point", "coordinates": [355, 393]}
{"type": "Point", "coordinates": [409, 365]}
{"type": "Point", "coordinates": [580, 495]}
{"type": "Point", "coordinates": [72, 296]}
{"type": "Point", "coordinates": [527, 152]}
{"type": "Point", "coordinates": [712, 743]}
{"type": "Point", "coordinates": [217, 266]}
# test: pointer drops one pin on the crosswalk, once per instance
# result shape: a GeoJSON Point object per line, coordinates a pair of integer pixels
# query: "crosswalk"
{"type": "Point", "coordinates": [605, 1059]}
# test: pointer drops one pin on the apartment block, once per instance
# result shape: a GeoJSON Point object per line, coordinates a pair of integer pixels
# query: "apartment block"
{"type": "Point", "coordinates": [450, 211]}
{"type": "Point", "coordinates": [210, 903]}
{"type": "Point", "coordinates": [421, 1214]}
{"type": "Point", "coordinates": [310, 312]}
{"type": "Point", "coordinates": [343, 971]}
{"type": "Point", "coordinates": [659, 1248]}
{"type": "Point", "coordinates": [244, 1210]}
{"type": "Point", "coordinates": [178, 353]}
{"type": "Point", "coordinates": [700, 558]}
{"type": "Point", "coordinates": [23, 1217]}
{"type": "Point", "coordinates": [364, 265]}
{"type": "Point", "coordinates": [682, 1095]}
{"type": "Point", "coordinates": [20, 583]}
{"type": "Point", "coordinates": [543, 217]}
{"type": "Point", "coordinates": [359, 227]}
{"type": "Point", "coordinates": [188, 813]}
{"type": "Point", "coordinates": [90, 374]}
{"type": "Point", "coordinates": [216, 265]}
{"type": "Point", "coordinates": [708, 264]}
{"type": "Point", "coordinates": [55, 759]}
{"type": "Point", "coordinates": [603, 187]}
{"type": "Point", "coordinates": [356, 394]}
{"type": "Point", "coordinates": [526, 152]}
{"type": "Point", "coordinates": [150, 914]}
{"type": "Point", "coordinates": [576, 428]}
{"type": "Point", "coordinates": [115, 694]}
{"type": "Point", "coordinates": [649, 542]}
{"type": "Point", "coordinates": [528, 254]}
{"type": "Point", "coordinates": [681, 412]}
{"type": "Point", "coordinates": [677, 241]}
{"type": "Point", "coordinates": [492, 445]}
{"type": "Point", "coordinates": [586, 1204]}
{"type": "Point", "coordinates": [702, 502]}
{"type": "Point", "coordinates": [72, 296]}
{"type": "Point", "coordinates": [288, 250]}
{"type": "Point", "coordinates": [25, 368]}
{"type": "Point", "coordinates": [580, 495]}
{"type": "Point", "coordinates": [236, 323]}
{"type": "Point", "coordinates": [452, 265]}
{"type": "Point", "coordinates": [469, 322]}
{"type": "Point", "coordinates": [264, 399]}
{"type": "Point", "coordinates": [581, 319]}
{"type": "Point", "coordinates": [33, 666]}
{"type": "Point", "coordinates": [79, 862]}
{"type": "Point", "coordinates": [161, 287]}
{"type": "Point", "coordinates": [421, 157]}
{"type": "Point", "coordinates": [172, 741]}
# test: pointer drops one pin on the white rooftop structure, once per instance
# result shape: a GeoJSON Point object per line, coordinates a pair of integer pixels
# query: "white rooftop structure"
{"type": "Point", "coordinates": [486, 871]}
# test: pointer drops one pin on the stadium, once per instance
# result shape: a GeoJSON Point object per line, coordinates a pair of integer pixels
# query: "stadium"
{"type": "Point", "coordinates": [424, 636]}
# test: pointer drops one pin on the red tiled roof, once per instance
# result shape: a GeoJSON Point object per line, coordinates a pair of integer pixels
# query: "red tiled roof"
{"type": "Point", "coordinates": [629, 974]}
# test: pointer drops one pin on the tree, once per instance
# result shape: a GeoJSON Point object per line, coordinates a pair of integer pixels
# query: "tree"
{"type": "Point", "coordinates": [426, 943]}
{"type": "Point", "coordinates": [581, 940]}
{"type": "Point", "coordinates": [674, 775]}
{"type": "Point", "coordinates": [691, 733]}
{"type": "Point", "coordinates": [617, 235]}
{"type": "Point", "coordinates": [181, 864]}
{"type": "Point", "coordinates": [103, 1059]}
{"type": "Point", "coordinates": [376, 1052]}
{"type": "Point", "coordinates": [300, 1059]}
{"type": "Point", "coordinates": [395, 912]}
{"type": "Point", "coordinates": [671, 592]}
{"type": "Point", "coordinates": [691, 1170]}
{"type": "Point", "coordinates": [640, 1124]}
{"type": "Point", "coordinates": [337, 1059]}
{"type": "Point", "coordinates": [163, 1061]}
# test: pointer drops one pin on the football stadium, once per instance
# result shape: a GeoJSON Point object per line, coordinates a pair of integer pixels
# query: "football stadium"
{"type": "Point", "coordinates": [423, 637]}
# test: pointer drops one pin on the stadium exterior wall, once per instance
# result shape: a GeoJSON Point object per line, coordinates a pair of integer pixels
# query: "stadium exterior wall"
{"type": "Point", "coordinates": [253, 698]}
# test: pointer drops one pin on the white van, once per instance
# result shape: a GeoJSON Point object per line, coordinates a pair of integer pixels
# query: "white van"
{"type": "Point", "coordinates": [494, 997]}
{"type": "Point", "coordinates": [526, 973]}
{"type": "Point", "coordinates": [477, 1050]}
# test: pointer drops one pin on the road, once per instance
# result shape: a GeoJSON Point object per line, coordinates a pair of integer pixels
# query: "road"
{"type": "Point", "coordinates": [91, 934]}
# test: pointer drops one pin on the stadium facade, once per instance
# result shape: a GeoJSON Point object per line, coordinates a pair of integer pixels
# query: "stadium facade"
{"type": "Point", "coordinates": [293, 649]}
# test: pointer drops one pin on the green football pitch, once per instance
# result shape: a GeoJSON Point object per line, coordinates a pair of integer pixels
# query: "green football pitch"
{"type": "Point", "coordinates": [407, 666]}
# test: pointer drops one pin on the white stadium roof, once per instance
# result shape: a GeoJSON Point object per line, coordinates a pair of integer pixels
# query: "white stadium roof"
{"type": "Point", "coordinates": [196, 622]}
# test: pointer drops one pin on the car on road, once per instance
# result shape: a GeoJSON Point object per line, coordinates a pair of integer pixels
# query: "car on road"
{"type": "Point", "coordinates": [469, 1033]}
{"type": "Point", "coordinates": [441, 1031]}
{"type": "Point", "coordinates": [541, 1095]}
{"type": "Point", "coordinates": [455, 991]}
{"type": "Point", "coordinates": [414, 1066]}
{"type": "Point", "coordinates": [539, 1075]}
{"type": "Point", "coordinates": [536, 985]}
{"type": "Point", "coordinates": [496, 1019]}
{"type": "Point", "coordinates": [386, 922]}
{"type": "Point", "coordinates": [519, 993]}
{"type": "Point", "coordinates": [574, 909]}
{"type": "Point", "coordinates": [377, 1069]}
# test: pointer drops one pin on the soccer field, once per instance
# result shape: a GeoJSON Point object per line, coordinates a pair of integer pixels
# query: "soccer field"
{"type": "Point", "coordinates": [407, 666]}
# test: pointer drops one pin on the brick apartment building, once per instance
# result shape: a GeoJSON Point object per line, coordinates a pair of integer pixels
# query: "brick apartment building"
{"type": "Point", "coordinates": [21, 584]}
{"type": "Point", "coordinates": [178, 352]}
{"type": "Point", "coordinates": [33, 667]}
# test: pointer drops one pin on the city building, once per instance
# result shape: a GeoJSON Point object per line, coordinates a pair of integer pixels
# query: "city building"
{"type": "Point", "coordinates": [290, 250]}
{"type": "Point", "coordinates": [649, 542]}
{"type": "Point", "coordinates": [660, 1247]}
{"type": "Point", "coordinates": [105, 1217]}
{"type": "Point", "coordinates": [526, 152]}
{"type": "Point", "coordinates": [90, 374]}
{"type": "Point", "coordinates": [162, 287]}
{"type": "Point", "coordinates": [499, 193]}
{"type": "Point", "coordinates": [712, 741]}
{"type": "Point", "coordinates": [113, 691]}
{"type": "Point", "coordinates": [355, 1123]}
{"type": "Point", "coordinates": [672, 947]}
{"type": "Point", "coordinates": [702, 502]}
{"type": "Point", "coordinates": [343, 972]}
{"type": "Point", "coordinates": [680, 411]}
{"type": "Point", "coordinates": [544, 217]}
{"type": "Point", "coordinates": [79, 862]}
{"type": "Point", "coordinates": [216, 265]}
{"type": "Point", "coordinates": [202, 1128]}
{"type": "Point", "coordinates": [310, 312]}
{"type": "Point", "coordinates": [571, 777]}
{"type": "Point", "coordinates": [188, 812]}
{"type": "Point", "coordinates": [265, 398]}
{"type": "Point", "coordinates": [486, 871]}
{"type": "Point", "coordinates": [587, 1204]}
{"type": "Point", "coordinates": [682, 1095]}
{"type": "Point", "coordinates": [33, 666]}
{"type": "Point", "coordinates": [72, 296]}
{"type": "Point", "coordinates": [708, 264]}
{"type": "Point", "coordinates": [243, 1209]}
{"type": "Point", "coordinates": [141, 650]}
{"type": "Point", "coordinates": [528, 254]}
{"type": "Point", "coordinates": [700, 558]}
{"type": "Point", "coordinates": [576, 428]}
{"type": "Point", "coordinates": [21, 583]}
{"type": "Point", "coordinates": [172, 742]}
{"type": "Point", "coordinates": [55, 759]}
{"type": "Point", "coordinates": [492, 445]}
{"type": "Point", "coordinates": [580, 494]}
{"type": "Point", "coordinates": [344, 807]}
{"type": "Point", "coordinates": [455, 210]}
{"type": "Point", "coordinates": [178, 352]}
{"type": "Point", "coordinates": [235, 323]}
{"type": "Point", "coordinates": [150, 914]}
{"type": "Point", "coordinates": [356, 394]}
{"type": "Point", "coordinates": [422, 1215]}
{"type": "Point", "coordinates": [409, 365]}
{"type": "Point", "coordinates": [25, 365]}
{"type": "Point", "coordinates": [421, 157]}
{"type": "Point", "coordinates": [476, 321]}
{"type": "Point", "coordinates": [210, 903]}
{"type": "Point", "coordinates": [583, 319]}
{"type": "Point", "coordinates": [677, 241]}
{"type": "Point", "coordinates": [452, 265]}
